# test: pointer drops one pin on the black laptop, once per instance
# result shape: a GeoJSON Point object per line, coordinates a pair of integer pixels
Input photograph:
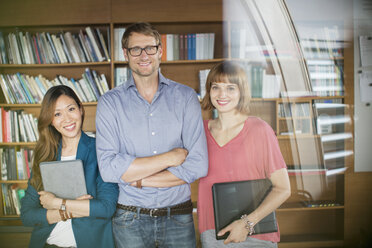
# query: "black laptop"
{"type": "Point", "coordinates": [233, 199]}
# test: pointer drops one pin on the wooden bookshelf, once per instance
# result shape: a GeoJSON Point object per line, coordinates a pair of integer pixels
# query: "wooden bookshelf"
{"type": "Point", "coordinates": [297, 224]}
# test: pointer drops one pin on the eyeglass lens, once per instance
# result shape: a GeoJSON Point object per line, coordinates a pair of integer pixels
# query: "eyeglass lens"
{"type": "Point", "coordinates": [137, 51]}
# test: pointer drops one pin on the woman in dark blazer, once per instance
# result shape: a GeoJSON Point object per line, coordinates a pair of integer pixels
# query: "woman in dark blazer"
{"type": "Point", "coordinates": [82, 222]}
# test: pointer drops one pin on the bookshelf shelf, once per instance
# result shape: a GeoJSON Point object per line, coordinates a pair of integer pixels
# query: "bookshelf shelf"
{"type": "Point", "coordinates": [298, 136]}
{"type": "Point", "coordinates": [11, 217]}
{"type": "Point", "coordinates": [37, 105]}
{"type": "Point", "coordinates": [300, 209]}
{"type": "Point", "coordinates": [13, 181]}
{"type": "Point", "coordinates": [28, 105]}
{"type": "Point", "coordinates": [295, 117]}
{"type": "Point", "coordinates": [54, 65]}
{"type": "Point", "coordinates": [202, 61]}
{"type": "Point", "coordinates": [17, 144]}
{"type": "Point", "coordinates": [296, 99]}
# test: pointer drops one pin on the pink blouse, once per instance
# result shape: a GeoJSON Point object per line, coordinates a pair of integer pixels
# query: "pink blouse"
{"type": "Point", "coordinates": [253, 154]}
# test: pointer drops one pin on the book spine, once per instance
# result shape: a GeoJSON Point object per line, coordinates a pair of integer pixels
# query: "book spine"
{"type": "Point", "coordinates": [4, 57]}
{"type": "Point", "coordinates": [164, 47]}
{"type": "Point", "coordinates": [53, 47]}
{"type": "Point", "coordinates": [102, 43]}
{"type": "Point", "coordinates": [66, 49]}
{"type": "Point", "coordinates": [93, 85]}
{"type": "Point", "coordinates": [94, 43]}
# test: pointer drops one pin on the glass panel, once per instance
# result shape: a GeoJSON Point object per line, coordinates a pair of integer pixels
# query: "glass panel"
{"type": "Point", "coordinates": [296, 71]}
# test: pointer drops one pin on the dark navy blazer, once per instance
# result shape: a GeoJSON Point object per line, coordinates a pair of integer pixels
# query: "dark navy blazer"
{"type": "Point", "coordinates": [92, 231]}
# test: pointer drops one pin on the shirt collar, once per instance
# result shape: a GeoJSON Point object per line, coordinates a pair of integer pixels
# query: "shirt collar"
{"type": "Point", "coordinates": [130, 82]}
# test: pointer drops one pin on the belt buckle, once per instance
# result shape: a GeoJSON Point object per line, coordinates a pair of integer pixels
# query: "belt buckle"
{"type": "Point", "coordinates": [152, 212]}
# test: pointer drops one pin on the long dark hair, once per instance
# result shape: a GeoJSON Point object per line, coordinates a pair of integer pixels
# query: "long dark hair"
{"type": "Point", "coordinates": [49, 138]}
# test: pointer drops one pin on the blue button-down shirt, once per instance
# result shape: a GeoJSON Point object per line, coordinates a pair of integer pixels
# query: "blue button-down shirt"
{"type": "Point", "coordinates": [129, 127]}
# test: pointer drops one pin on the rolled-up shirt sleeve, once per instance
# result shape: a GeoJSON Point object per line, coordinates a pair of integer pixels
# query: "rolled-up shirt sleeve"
{"type": "Point", "coordinates": [112, 163]}
{"type": "Point", "coordinates": [194, 140]}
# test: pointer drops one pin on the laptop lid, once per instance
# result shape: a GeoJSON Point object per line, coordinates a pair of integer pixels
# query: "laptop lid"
{"type": "Point", "coordinates": [233, 199]}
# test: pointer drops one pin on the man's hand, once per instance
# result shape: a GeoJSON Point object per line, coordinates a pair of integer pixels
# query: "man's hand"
{"type": "Point", "coordinates": [178, 156]}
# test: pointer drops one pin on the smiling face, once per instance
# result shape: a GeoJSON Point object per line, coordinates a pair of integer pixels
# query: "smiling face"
{"type": "Point", "coordinates": [224, 96]}
{"type": "Point", "coordinates": [67, 118]}
{"type": "Point", "coordinates": [143, 65]}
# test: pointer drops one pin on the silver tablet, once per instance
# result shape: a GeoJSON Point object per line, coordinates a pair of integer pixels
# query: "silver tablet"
{"type": "Point", "coordinates": [65, 179]}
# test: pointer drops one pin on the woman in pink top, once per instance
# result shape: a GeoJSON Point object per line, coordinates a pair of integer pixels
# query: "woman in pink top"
{"type": "Point", "coordinates": [240, 147]}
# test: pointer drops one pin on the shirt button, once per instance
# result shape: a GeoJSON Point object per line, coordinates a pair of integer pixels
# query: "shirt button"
{"type": "Point", "coordinates": [154, 152]}
{"type": "Point", "coordinates": [151, 114]}
{"type": "Point", "coordinates": [153, 133]}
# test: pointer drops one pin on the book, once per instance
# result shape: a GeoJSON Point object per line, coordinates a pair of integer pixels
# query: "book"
{"type": "Point", "coordinates": [98, 81]}
{"type": "Point", "coordinates": [19, 48]}
{"type": "Point", "coordinates": [54, 50]}
{"type": "Point", "coordinates": [102, 43]}
{"type": "Point", "coordinates": [79, 91]}
{"type": "Point", "coordinates": [6, 90]}
{"type": "Point", "coordinates": [211, 38]}
{"type": "Point", "coordinates": [87, 90]}
{"type": "Point", "coordinates": [28, 162]}
{"type": "Point", "coordinates": [121, 75]}
{"type": "Point", "coordinates": [79, 48]}
{"type": "Point", "coordinates": [3, 53]}
{"type": "Point", "coordinates": [71, 47]}
{"type": "Point", "coordinates": [164, 46]}
{"type": "Point", "coordinates": [26, 53]}
{"type": "Point", "coordinates": [89, 78]}
{"type": "Point", "coordinates": [58, 45]}
{"type": "Point", "coordinates": [118, 50]}
{"type": "Point", "coordinates": [11, 168]}
{"type": "Point", "coordinates": [3, 162]}
{"type": "Point", "coordinates": [169, 42]}
{"type": "Point", "coordinates": [1, 126]}
{"type": "Point", "coordinates": [26, 90]}
{"type": "Point", "coordinates": [65, 48]}
{"type": "Point", "coordinates": [20, 165]}
{"type": "Point", "coordinates": [30, 47]}
{"type": "Point", "coordinates": [203, 74]}
{"type": "Point", "coordinates": [104, 83]}
{"type": "Point", "coordinates": [94, 42]}
{"type": "Point", "coordinates": [42, 49]}
{"type": "Point", "coordinates": [84, 46]}
{"type": "Point", "coordinates": [49, 56]}
{"type": "Point", "coordinates": [181, 47]}
{"type": "Point", "coordinates": [176, 47]}
{"type": "Point", "coordinates": [37, 50]}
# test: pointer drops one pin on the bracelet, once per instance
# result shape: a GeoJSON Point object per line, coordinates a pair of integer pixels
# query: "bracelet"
{"type": "Point", "coordinates": [68, 215]}
{"type": "Point", "coordinates": [139, 184]}
{"type": "Point", "coordinates": [62, 214]}
{"type": "Point", "coordinates": [248, 224]}
{"type": "Point", "coordinates": [62, 210]}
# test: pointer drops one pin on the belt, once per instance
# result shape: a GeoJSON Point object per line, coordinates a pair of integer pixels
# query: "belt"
{"type": "Point", "coordinates": [182, 208]}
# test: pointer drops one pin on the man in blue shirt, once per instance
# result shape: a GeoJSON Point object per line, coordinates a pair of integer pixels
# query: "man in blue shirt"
{"type": "Point", "coordinates": [151, 141]}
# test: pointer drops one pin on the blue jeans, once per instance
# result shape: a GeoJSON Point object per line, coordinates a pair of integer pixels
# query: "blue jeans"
{"type": "Point", "coordinates": [134, 230]}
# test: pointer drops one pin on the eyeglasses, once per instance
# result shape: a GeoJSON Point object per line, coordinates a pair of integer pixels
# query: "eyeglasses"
{"type": "Point", "coordinates": [137, 51]}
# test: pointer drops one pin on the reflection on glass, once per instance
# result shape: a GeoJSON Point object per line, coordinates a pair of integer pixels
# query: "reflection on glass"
{"type": "Point", "coordinates": [296, 73]}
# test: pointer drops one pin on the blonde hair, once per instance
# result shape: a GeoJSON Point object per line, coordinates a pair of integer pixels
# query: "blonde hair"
{"type": "Point", "coordinates": [141, 28]}
{"type": "Point", "coordinates": [233, 73]}
{"type": "Point", "coordinates": [47, 146]}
